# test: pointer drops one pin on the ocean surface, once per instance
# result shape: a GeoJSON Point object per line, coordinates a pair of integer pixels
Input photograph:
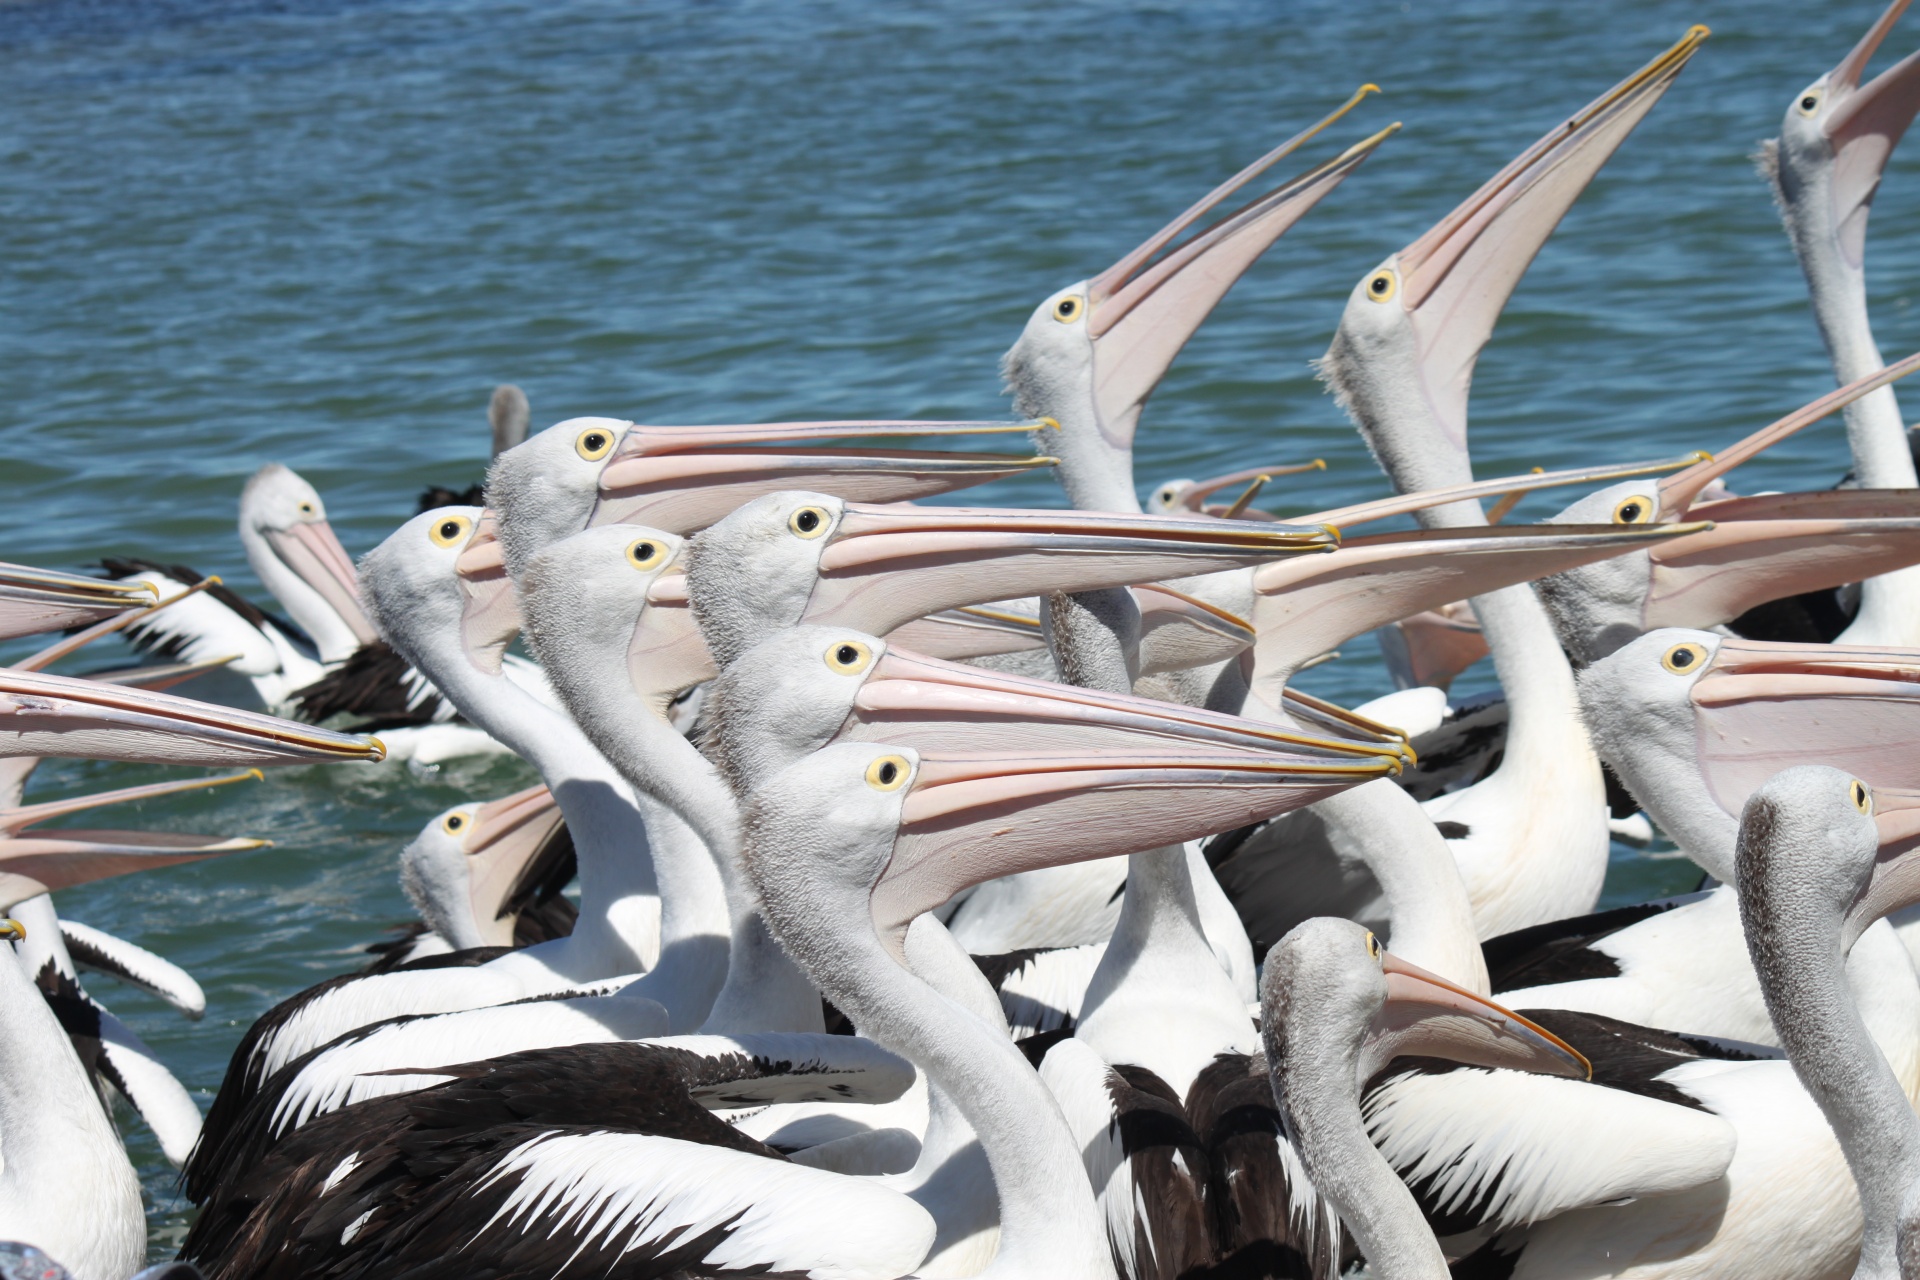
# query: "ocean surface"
{"type": "Point", "coordinates": [235, 232]}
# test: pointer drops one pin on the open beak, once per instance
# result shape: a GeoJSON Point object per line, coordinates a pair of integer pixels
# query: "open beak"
{"type": "Point", "coordinates": [1194, 496]}
{"type": "Point", "coordinates": [1454, 280]}
{"type": "Point", "coordinates": [1424, 1015]}
{"type": "Point", "coordinates": [315, 555]}
{"type": "Point", "coordinates": [973, 818]}
{"type": "Point", "coordinates": [36, 600]}
{"type": "Point", "coordinates": [887, 565]}
{"type": "Point", "coordinates": [1142, 309]}
{"type": "Point", "coordinates": [1865, 126]}
{"type": "Point", "coordinates": [505, 848]}
{"type": "Point", "coordinates": [1761, 707]}
{"type": "Point", "coordinates": [1716, 575]}
{"type": "Point", "coordinates": [1678, 491]}
{"type": "Point", "coordinates": [975, 631]}
{"type": "Point", "coordinates": [490, 619]}
{"type": "Point", "coordinates": [1441, 643]}
{"type": "Point", "coordinates": [931, 705]}
{"type": "Point", "coordinates": [682, 479]}
{"type": "Point", "coordinates": [36, 864]}
{"type": "Point", "coordinates": [1303, 609]}
{"type": "Point", "coordinates": [48, 715]}
{"type": "Point", "coordinates": [162, 675]}
{"type": "Point", "coordinates": [1179, 632]}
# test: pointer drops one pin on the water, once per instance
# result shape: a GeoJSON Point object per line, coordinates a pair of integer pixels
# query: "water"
{"type": "Point", "coordinates": [237, 232]}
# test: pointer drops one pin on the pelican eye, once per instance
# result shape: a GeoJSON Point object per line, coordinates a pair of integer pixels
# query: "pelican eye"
{"type": "Point", "coordinates": [305, 508]}
{"type": "Point", "coordinates": [593, 443]}
{"type": "Point", "coordinates": [447, 532]}
{"type": "Point", "coordinates": [454, 823]}
{"type": "Point", "coordinates": [1382, 285]}
{"type": "Point", "coordinates": [849, 657]}
{"type": "Point", "coordinates": [1633, 510]}
{"type": "Point", "coordinates": [645, 554]}
{"type": "Point", "coordinates": [1373, 946]}
{"type": "Point", "coordinates": [1809, 102]}
{"type": "Point", "coordinates": [888, 773]}
{"type": "Point", "coordinates": [1862, 797]}
{"type": "Point", "coordinates": [1684, 658]}
{"type": "Point", "coordinates": [808, 522]}
{"type": "Point", "coordinates": [1068, 309]}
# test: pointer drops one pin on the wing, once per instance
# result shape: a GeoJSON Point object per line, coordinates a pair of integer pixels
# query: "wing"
{"type": "Point", "coordinates": [1042, 989]}
{"type": "Point", "coordinates": [96, 951]}
{"type": "Point", "coordinates": [211, 624]}
{"type": "Point", "coordinates": [1463, 750]}
{"type": "Point", "coordinates": [113, 1055]}
{"type": "Point", "coordinates": [1562, 950]}
{"type": "Point", "coordinates": [375, 688]}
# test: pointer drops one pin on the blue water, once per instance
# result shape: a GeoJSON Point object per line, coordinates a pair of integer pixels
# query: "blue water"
{"type": "Point", "coordinates": [233, 233]}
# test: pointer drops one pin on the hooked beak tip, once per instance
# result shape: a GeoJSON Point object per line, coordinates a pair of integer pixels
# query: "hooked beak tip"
{"type": "Point", "coordinates": [12, 930]}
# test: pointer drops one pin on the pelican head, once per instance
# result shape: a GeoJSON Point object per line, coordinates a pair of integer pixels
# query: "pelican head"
{"type": "Point", "coordinates": [794, 557]}
{"type": "Point", "coordinates": [544, 488]}
{"type": "Point", "coordinates": [1092, 353]}
{"type": "Point", "coordinates": [1402, 360]}
{"type": "Point", "coordinates": [1835, 140]}
{"type": "Point", "coordinates": [296, 555]}
{"type": "Point", "coordinates": [441, 574]}
{"type": "Point", "coordinates": [473, 867]}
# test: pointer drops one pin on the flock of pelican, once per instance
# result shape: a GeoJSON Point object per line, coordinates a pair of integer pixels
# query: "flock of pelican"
{"type": "Point", "coordinates": [963, 890]}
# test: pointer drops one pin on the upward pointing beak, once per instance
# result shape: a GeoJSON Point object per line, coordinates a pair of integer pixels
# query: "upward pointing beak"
{"type": "Point", "coordinates": [1864, 127]}
{"type": "Point", "coordinates": [505, 851]}
{"type": "Point", "coordinates": [1426, 1016]}
{"type": "Point", "coordinates": [314, 554]}
{"type": "Point", "coordinates": [887, 565]}
{"type": "Point", "coordinates": [682, 479]}
{"type": "Point", "coordinates": [1678, 491]}
{"type": "Point", "coordinates": [1761, 707]}
{"type": "Point", "coordinates": [970, 819]}
{"type": "Point", "coordinates": [1455, 279]}
{"type": "Point", "coordinates": [47, 715]}
{"type": "Point", "coordinates": [490, 619]}
{"type": "Point", "coordinates": [1139, 316]}
{"type": "Point", "coordinates": [1895, 883]}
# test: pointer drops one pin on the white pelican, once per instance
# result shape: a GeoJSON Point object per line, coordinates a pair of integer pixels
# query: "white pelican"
{"type": "Point", "coordinates": [36, 600]}
{"type": "Point", "coordinates": [1835, 140]}
{"type": "Point", "coordinates": [846, 849]}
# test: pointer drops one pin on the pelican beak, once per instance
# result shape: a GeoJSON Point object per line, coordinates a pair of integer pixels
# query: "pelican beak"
{"type": "Point", "coordinates": [14, 821]}
{"type": "Point", "coordinates": [1179, 632]}
{"type": "Point", "coordinates": [1141, 311]}
{"type": "Point", "coordinates": [1302, 610]}
{"type": "Point", "coordinates": [884, 566]}
{"type": "Point", "coordinates": [931, 705]}
{"type": "Point", "coordinates": [36, 600]}
{"type": "Point", "coordinates": [1762, 707]}
{"type": "Point", "coordinates": [1746, 558]}
{"type": "Point", "coordinates": [1679, 490]}
{"type": "Point", "coordinates": [668, 653]}
{"type": "Point", "coordinates": [490, 619]}
{"type": "Point", "coordinates": [1194, 496]}
{"type": "Point", "coordinates": [48, 715]}
{"type": "Point", "coordinates": [1864, 127]}
{"type": "Point", "coordinates": [37, 864]}
{"type": "Point", "coordinates": [1424, 1015]}
{"type": "Point", "coordinates": [511, 848]}
{"type": "Point", "coordinates": [976, 631]}
{"type": "Point", "coordinates": [12, 930]}
{"type": "Point", "coordinates": [1895, 883]}
{"type": "Point", "coordinates": [312, 552]}
{"type": "Point", "coordinates": [1454, 281]}
{"type": "Point", "coordinates": [682, 479]}
{"type": "Point", "coordinates": [970, 819]}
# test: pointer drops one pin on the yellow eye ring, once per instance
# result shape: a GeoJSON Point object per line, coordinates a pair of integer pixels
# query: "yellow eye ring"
{"type": "Point", "coordinates": [1809, 102]}
{"type": "Point", "coordinates": [1373, 946]}
{"type": "Point", "coordinates": [1861, 796]}
{"type": "Point", "coordinates": [1383, 284]}
{"type": "Point", "coordinates": [1633, 509]}
{"type": "Point", "coordinates": [454, 824]}
{"type": "Point", "coordinates": [645, 553]}
{"type": "Point", "coordinates": [306, 508]}
{"type": "Point", "coordinates": [450, 530]}
{"type": "Point", "coordinates": [889, 773]}
{"type": "Point", "coordinates": [593, 443]}
{"type": "Point", "coordinates": [1069, 308]}
{"type": "Point", "coordinates": [808, 522]}
{"type": "Point", "coordinates": [848, 657]}
{"type": "Point", "coordinates": [1684, 659]}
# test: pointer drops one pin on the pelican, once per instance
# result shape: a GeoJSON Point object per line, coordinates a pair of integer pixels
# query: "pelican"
{"type": "Point", "coordinates": [36, 600]}
{"type": "Point", "coordinates": [1400, 365]}
{"type": "Point", "coordinates": [1335, 1010]}
{"type": "Point", "coordinates": [846, 850]}
{"type": "Point", "coordinates": [1835, 140]}
{"type": "Point", "coordinates": [67, 1187]}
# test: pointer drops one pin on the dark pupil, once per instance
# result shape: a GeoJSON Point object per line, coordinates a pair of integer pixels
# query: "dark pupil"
{"type": "Point", "coordinates": [1806, 103]}
{"type": "Point", "coordinates": [643, 551]}
{"type": "Point", "coordinates": [594, 442]}
{"type": "Point", "coordinates": [454, 823]}
{"type": "Point", "coordinates": [1630, 512]}
{"type": "Point", "coordinates": [449, 529]}
{"type": "Point", "coordinates": [846, 653]}
{"type": "Point", "coordinates": [807, 521]}
{"type": "Point", "coordinates": [888, 773]}
{"type": "Point", "coordinates": [1684, 658]}
{"type": "Point", "coordinates": [1379, 284]}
